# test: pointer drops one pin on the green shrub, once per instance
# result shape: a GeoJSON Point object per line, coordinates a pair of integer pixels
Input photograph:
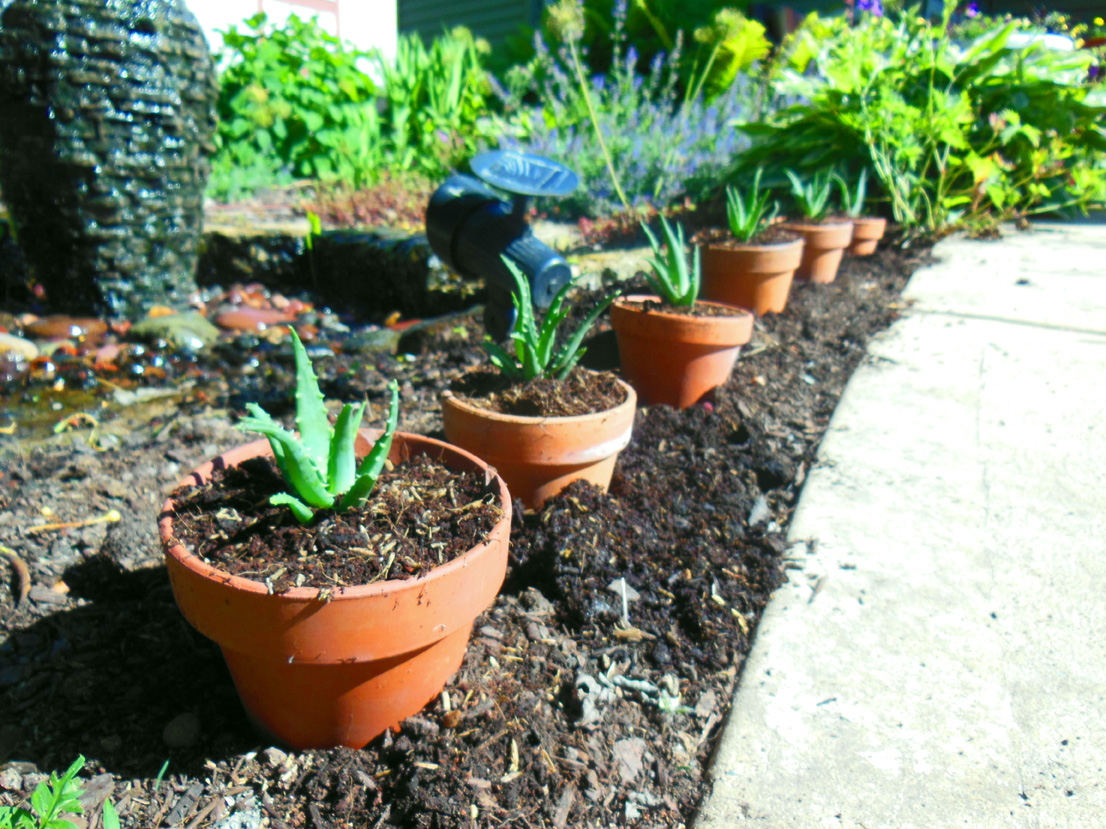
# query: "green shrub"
{"type": "Point", "coordinates": [955, 135]}
{"type": "Point", "coordinates": [293, 103]}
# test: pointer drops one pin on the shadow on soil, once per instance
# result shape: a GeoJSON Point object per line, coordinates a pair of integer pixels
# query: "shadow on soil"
{"type": "Point", "coordinates": [107, 678]}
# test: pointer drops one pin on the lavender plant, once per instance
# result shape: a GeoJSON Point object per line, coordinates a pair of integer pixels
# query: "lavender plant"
{"type": "Point", "coordinates": [661, 147]}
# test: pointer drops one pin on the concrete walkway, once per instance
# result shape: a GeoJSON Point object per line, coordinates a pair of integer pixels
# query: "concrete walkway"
{"type": "Point", "coordinates": [940, 660]}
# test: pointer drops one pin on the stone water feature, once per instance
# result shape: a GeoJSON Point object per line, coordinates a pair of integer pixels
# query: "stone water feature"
{"type": "Point", "coordinates": [107, 115]}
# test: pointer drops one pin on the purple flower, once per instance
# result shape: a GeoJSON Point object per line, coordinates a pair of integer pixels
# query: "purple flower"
{"type": "Point", "coordinates": [874, 7]}
{"type": "Point", "coordinates": [972, 10]}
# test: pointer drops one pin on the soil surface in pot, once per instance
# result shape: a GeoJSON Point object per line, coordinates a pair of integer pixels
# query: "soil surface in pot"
{"type": "Point", "coordinates": [594, 688]}
{"type": "Point", "coordinates": [701, 309]}
{"type": "Point", "coordinates": [722, 238]}
{"type": "Point", "coordinates": [419, 515]}
{"type": "Point", "coordinates": [581, 392]}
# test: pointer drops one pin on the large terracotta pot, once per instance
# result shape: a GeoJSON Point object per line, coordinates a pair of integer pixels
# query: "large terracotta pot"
{"type": "Point", "coordinates": [676, 359]}
{"type": "Point", "coordinates": [867, 231]}
{"type": "Point", "coordinates": [757, 277]}
{"type": "Point", "coordinates": [823, 247]}
{"type": "Point", "coordinates": [317, 673]}
{"type": "Point", "coordinates": [540, 456]}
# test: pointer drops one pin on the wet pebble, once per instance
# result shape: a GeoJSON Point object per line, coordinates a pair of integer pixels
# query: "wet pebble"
{"type": "Point", "coordinates": [189, 331]}
{"type": "Point", "coordinates": [63, 327]}
{"type": "Point", "coordinates": [182, 731]}
{"type": "Point", "coordinates": [252, 319]}
{"type": "Point", "coordinates": [13, 345]}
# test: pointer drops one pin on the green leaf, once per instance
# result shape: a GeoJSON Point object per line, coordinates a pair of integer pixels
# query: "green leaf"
{"type": "Point", "coordinates": [311, 418]}
{"type": "Point", "coordinates": [566, 358]}
{"type": "Point", "coordinates": [370, 467]}
{"type": "Point", "coordinates": [300, 510]}
{"type": "Point", "coordinates": [342, 468]}
{"type": "Point", "coordinates": [300, 471]}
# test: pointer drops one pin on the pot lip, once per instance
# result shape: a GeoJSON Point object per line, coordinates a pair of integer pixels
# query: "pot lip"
{"type": "Point", "coordinates": [801, 224]}
{"type": "Point", "coordinates": [380, 589]}
{"type": "Point", "coordinates": [627, 406]}
{"type": "Point", "coordinates": [869, 220]}
{"type": "Point", "coordinates": [747, 247]}
{"type": "Point", "coordinates": [625, 303]}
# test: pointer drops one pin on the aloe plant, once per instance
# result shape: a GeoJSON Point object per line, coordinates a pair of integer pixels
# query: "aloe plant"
{"type": "Point", "coordinates": [673, 279]}
{"type": "Point", "coordinates": [813, 196]}
{"type": "Point", "coordinates": [748, 213]}
{"type": "Point", "coordinates": [319, 464]}
{"type": "Point", "coordinates": [852, 201]}
{"type": "Point", "coordinates": [534, 347]}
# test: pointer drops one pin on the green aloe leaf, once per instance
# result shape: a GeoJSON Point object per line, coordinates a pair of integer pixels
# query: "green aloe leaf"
{"type": "Point", "coordinates": [303, 513]}
{"type": "Point", "coordinates": [342, 467]}
{"type": "Point", "coordinates": [311, 418]}
{"type": "Point", "coordinates": [370, 467]}
{"type": "Point", "coordinates": [300, 471]}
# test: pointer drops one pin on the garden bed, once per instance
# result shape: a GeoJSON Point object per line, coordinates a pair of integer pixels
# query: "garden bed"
{"type": "Point", "coordinates": [583, 700]}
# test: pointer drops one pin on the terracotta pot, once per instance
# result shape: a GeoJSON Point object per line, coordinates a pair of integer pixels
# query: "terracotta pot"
{"type": "Point", "coordinates": [757, 277]}
{"type": "Point", "coordinates": [676, 359]}
{"type": "Point", "coordinates": [824, 246]}
{"type": "Point", "coordinates": [340, 671]}
{"type": "Point", "coordinates": [867, 231]}
{"type": "Point", "coordinates": [540, 456]}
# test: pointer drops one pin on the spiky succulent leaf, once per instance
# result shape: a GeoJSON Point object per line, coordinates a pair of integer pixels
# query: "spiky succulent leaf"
{"type": "Point", "coordinates": [570, 352]}
{"type": "Point", "coordinates": [278, 450]}
{"type": "Point", "coordinates": [303, 513]}
{"type": "Point", "coordinates": [370, 467]}
{"type": "Point", "coordinates": [672, 279]}
{"type": "Point", "coordinates": [299, 469]}
{"type": "Point", "coordinates": [502, 360]}
{"type": "Point", "coordinates": [342, 466]}
{"type": "Point", "coordinates": [556, 314]}
{"type": "Point", "coordinates": [311, 418]}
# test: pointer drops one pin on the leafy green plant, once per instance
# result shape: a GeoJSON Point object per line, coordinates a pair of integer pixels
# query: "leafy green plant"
{"type": "Point", "coordinates": [852, 201]}
{"type": "Point", "coordinates": [51, 801]}
{"type": "Point", "coordinates": [734, 43]}
{"type": "Point", "coordinates": [673, 279]}
{"type": "Point", "coordinates": [535, 353]}
{"type": "Point", "coordinates": [292, 100]}
{"type": "Point", "coordinates": [748, 214]}
{"type": "Point", "coordinates": [956, 134]}
{"type": "Point", "coordinates": [319, 465]}
{"type": "Point", "coordinates": [812, 196]}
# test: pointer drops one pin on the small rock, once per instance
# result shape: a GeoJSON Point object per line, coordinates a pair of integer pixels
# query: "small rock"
{"type": "Point", "coordinates": [760, 511]}
{"type": "Point", "coordinates": [252, 319]}
{"type": "Point", "coordinates": [380, 340]}
{"type": "Point", "coordinates": [47, 595]}
{"type": "Point", "coordinates": [707, 704]}
{"type": "Point", "coordinates": [421, 727]}
{"type": "Point", "coordinates": [62, 327]}
{"type": "Point", "coordinates": [535, 603]}
{"type": "Point", "coordinates": [10, 780]}
{"type": "Point", "coordinates": [182, 731]}
{"type": "Point", "coordinates": [274, 756]}
{"type": "Point", "coordinates": [13, 345]}
{"type": "Point", "coordinates": [628, 758]}
{"type": "Point", "coordinates": [190, 331]}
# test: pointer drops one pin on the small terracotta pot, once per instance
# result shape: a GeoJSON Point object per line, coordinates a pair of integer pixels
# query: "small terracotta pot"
{"type": "Point", "coordinates": [319, 673]}
{"type": "Point", "coordinates": [540, 456]}
{"type": "Point", "coordinates": [676, 359]}
{"type": "Point", "coordinates": [757, 277]}
{"type": "Point", "coordinates": [824, 246]}
{"type": "Point", "coordinates": [867, 231]}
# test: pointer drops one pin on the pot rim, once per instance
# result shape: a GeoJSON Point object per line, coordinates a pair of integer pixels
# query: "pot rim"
{"type": "Point", "coordinates": [624, 302]}
{"type": "Point", "coordinates": [741, 247]}
{"type": "Point", "coordinates": [190, 560]}
{"type": "Point", "coordinates": [805, 225]}
{"type": "Point", "coordinates": [630, 402]}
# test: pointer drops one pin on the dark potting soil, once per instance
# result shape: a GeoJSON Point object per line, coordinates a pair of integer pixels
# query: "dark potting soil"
{"type": "Point", "coordinates": [700, 309]}
{"type": "Point", "coordinates": [419, 515]}
{"type": "Point", "coordinates": [570, 709]}
{"type": "Point", "coordinates": [581, 392]}
{"type": "Point", "coordinates": [721, 237]}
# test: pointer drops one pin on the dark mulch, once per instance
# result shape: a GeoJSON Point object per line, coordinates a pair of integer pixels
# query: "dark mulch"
{"type": "Point", "coordinates": [721, 237]}
{"type": "Point", "coordinates": [593, 689]}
